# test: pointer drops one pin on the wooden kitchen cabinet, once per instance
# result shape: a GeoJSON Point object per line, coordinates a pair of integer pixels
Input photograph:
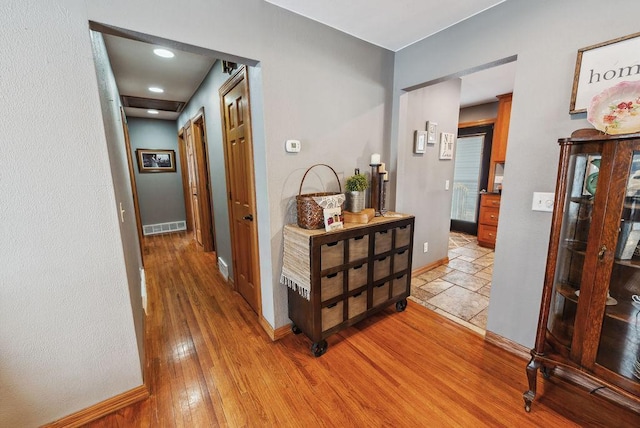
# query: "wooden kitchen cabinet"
{"type": "Point", "coordinates": [353, 273]}
{"type": "Point", "coordinates": [589, 325]}
{"type": "Point", "coordinates": [488, 219]}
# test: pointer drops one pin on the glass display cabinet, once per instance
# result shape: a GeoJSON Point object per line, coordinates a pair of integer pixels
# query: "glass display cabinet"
{"type": "Point", "coordinates": [589, 325]}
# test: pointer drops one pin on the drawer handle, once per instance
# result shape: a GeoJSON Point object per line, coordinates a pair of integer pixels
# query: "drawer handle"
{"type": "Point", "coordinates": [358, 267]}
{"type": "Point", "coordinates": [493, 216]}
{"type": "Point", "coordinates": [400, 277]}
{"type": "Point", "coordinates": [358, 238]}
{"type": "Point", "coordinates": [402, 252]}
{"type": "Point", "coordinates": [380, 285]}
{"type": "Point", "coordinates": [491, 235]}
{"type": "Point", "coordinates": [382, 259]}
{"type": "Point", "coordinates": [332, 244]}
{"type": "Point", "coordinates": [495, 202]}
{"type": "Point", "coordinates": [333, 305]}
{"type": "Point", "coordinates": [333, 275]}
{"type": "Point", "coordinates": [357, 295]}
{"type": "Point", "coordinates": [402, 227]}
{"type": "Point", "coordinates": [383, 231]}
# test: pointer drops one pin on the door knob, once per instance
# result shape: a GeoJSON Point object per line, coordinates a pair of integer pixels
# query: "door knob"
{"type": "Point", "coordinates": [248, 217]}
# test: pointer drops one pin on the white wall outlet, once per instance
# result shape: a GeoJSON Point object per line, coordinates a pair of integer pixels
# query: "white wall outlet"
{"type": "Point", "coordinates": [425, 247]}
{"type": "Point", "coordinates": [446, 185]}
{"type": "Point", "coordinates": [292, 146]}
{"type": "Point", "coordinates": [542, 201]}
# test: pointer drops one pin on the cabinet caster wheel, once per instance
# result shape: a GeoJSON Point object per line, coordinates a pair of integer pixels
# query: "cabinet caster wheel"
{"type": "Point", "coordinates": [401, 305]}
{"type": "Point", "coordinates": [295, 329]}
{"type": "Point", "coordinates": [319, 348]}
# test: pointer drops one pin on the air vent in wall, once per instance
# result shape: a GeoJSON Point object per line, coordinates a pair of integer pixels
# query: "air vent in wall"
{"type": "Point", "coordinates": [149, 103]}
{"type": "Point", "coordinates": [154, 229]}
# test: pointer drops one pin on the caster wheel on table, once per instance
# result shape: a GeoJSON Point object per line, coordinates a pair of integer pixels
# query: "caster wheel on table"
{"type": "Point", "coordinates": [401, 305]}
{"type": "Point", "coordinates": [527, 408]}
{"type": "Point", "coordinates": [319, 348]}
{"type": "Point", "coordinates": [295, 329]}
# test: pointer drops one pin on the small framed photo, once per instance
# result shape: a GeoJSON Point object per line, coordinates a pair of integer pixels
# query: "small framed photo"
{"type": "Point", "coordinates": [432, 128]}
{"type": "Point", "coordinates": [153, 160]}
{"type": "Point", "coordinates": [419, 141]}
{"type": "Point", "coordinates": [446, 145]}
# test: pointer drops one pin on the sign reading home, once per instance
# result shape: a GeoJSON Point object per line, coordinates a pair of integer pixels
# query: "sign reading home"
{"type": "Point", "coordinates": [602, 66]}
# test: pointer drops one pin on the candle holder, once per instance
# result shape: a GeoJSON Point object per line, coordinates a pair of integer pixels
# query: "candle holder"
{"type": "Point", "coordinates": [374, 196]}
{"type": "Point", "coordinates": [382, 200]}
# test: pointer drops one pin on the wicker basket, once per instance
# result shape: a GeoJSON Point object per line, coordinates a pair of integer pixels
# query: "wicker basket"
{"type": "Point", "coordinates": [310, 214]}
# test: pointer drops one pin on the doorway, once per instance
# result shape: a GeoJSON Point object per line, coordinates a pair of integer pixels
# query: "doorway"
{"type": "Point", "coordinates": [470, 176]}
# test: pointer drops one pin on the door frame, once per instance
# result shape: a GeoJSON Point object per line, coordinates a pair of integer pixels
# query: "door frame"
{"type": "Point", "coordinates": [483, 180]}
{"type": "Point", "coordinates": [197, 123]}
{"type": "Point", "coordinates": [239, 75]}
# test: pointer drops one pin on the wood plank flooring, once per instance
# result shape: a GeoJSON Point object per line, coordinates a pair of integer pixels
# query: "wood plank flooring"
{"type": "Point", "coordinates": [211, 364]}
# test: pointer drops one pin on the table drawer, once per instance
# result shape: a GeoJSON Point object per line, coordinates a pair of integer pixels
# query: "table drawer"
{"type": "Point", "coordinates": [399, 285]}
{"type": "Point", "coordinates": [332, 315]}
{"type": "Point", "coordinates": [357, 276]}
{"type": "Point", "coordinates": [403, 236]}
{"type": "Point", "coordinates": [357, 304]}
{"type": "Point", "coordinates": [489, 216]}
{"type": "Point", "coordinates": [380, 294]}
{"type": "Point", "coordinates": [490, 200]}
{"type": "Point", "coordinates": [332, 254]}
{"type": "Point", "coordinates": [487, 233]}
{"type": "Point", "coordinates": [400, 261]}
{"type": "Point", "coordinates": [358, 247]}
{"type": "Point", "coordinates": [331, 286]}
{"type": "Point", "coordinates": [381, 268]}
{"type": "Point", "coordinates": [383, 241]}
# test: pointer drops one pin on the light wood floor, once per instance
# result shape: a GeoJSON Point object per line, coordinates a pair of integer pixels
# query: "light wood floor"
{"type": "Point", "coordinates": [211, 364]}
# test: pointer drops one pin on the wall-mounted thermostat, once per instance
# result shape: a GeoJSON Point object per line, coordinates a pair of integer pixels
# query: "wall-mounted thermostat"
{"type": "Point", "coordinates": [292, 146]}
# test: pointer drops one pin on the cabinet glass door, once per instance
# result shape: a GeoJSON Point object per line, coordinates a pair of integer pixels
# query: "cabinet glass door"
{"type": "Point", "coordinates": [580, 190]}
{"type": "Point", "coordinates": [619, 348]}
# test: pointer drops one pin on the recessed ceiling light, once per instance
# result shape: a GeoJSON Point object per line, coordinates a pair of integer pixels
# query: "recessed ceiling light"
{"type": "Point", "coordinates": [164, 53]}
{"type": "Point", "coordinates": [153, 111]}
{"type": "Point", "coordinates": [156, 89]}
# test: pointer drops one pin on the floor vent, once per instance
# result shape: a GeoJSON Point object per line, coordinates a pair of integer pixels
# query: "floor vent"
{"type": "Point", "coordinates": [154, 229]}
{"type": "Point", "coordinates": [223, 268]}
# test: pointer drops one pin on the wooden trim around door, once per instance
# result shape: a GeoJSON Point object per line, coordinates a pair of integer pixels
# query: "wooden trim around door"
{"type": "Point", "coordinates": [132, 175]}
{"type": "Point", "coordinates": [184, 172]}
{"type": "Point", "coordinates": [199, 133]}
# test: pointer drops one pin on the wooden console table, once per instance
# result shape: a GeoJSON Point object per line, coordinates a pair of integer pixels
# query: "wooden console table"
{"type": "Point", "coordinates": [338, 278]}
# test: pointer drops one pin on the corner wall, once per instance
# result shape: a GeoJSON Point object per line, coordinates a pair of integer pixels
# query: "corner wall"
{"type": "Point", "coordinates": [545, 36]}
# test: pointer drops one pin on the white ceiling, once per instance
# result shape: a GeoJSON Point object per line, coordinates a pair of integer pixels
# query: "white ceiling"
{"type": "Point", "coordinates": [390, 24]}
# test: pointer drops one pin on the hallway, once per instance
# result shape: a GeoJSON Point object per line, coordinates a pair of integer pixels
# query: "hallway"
{"type": "Point", "coordinates": [211, 364]}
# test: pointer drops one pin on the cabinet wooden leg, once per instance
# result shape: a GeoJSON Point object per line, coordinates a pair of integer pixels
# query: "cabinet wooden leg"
{"type": "Point", "coordinates": [532, 376]}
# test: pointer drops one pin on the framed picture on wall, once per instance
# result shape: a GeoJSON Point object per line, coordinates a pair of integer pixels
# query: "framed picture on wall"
{"type": "Point", "coordinates": [601, 66]}
{"type": "Point", "coordinates": [153, 160]}
{"type": "Point", "coordinates": [419, 141]}
{"type": "Point", "coordinates": [446, 145]}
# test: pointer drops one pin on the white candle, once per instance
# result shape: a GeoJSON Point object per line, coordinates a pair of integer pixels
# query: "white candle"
{"type": "Point", "coordinates": [385, 176]}
{"type": "Point", "coordinates": [381, 169]}
{"type": "Point", "coordinates": [375, 159]}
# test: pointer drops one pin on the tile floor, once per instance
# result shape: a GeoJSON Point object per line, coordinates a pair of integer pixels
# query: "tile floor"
{"type": "Point", "coordinates": [458, 290]}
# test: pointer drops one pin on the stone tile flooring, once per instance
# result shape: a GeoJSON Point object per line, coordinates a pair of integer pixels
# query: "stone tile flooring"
{"type": "Point", "coordinates": [458, 290]}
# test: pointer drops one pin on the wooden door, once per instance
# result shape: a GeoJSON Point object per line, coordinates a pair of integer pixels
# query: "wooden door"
{"type": "Point", "coordinates": [193, 184]}
{"type": "Point", "coordinates": [184, 171]}
{"type": "Point", "coordinates": [132, 176]}
{"type": "Point", "coordinates": [234, 99]}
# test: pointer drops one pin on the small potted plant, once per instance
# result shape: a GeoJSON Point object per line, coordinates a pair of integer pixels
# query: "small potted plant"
{"type": "Point", "coordinates": [355, 192]}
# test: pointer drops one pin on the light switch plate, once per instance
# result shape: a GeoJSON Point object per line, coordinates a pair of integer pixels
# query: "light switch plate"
{"type": "Point", "coordinates": [292, 146]}
{"type": "Point", "coordinates": [542, 201]}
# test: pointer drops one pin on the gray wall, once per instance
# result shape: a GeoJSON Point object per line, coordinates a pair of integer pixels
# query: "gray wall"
{"type": "Point", "coordinates": [160, 195]}
{"type": "Point", "coordinates": [67, 333]}
{"type": "Point", "coordinates": [545, 36]}
{"type": "Point", "coordinates": [479, 112]}
{"type": "Point", "coordinates": [421, 185]}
